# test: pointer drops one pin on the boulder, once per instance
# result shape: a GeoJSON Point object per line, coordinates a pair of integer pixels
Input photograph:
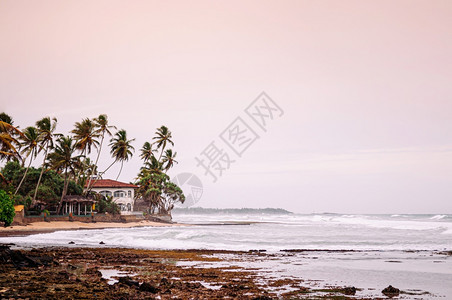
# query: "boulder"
{"type": "Point", "coordinates": [391, 291]}
{"type": "Point", "coordinates": [147, 287]}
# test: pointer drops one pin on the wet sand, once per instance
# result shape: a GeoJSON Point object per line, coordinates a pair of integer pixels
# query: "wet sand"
{"type": "Point", "coordinates": [46, 227]}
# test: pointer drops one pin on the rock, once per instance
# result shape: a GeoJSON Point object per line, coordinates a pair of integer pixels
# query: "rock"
{"type": "Point", "coordinates": [64, 274]}
{"type": "Point", "coordinates": [391, 291]}
{"type": "Point", "coordinates": [71, 243]}
{"type": "Point", "coordinates": [101, 243]}
{"type": "Point", "coordinates": [146, 287]}
{"type": "Point", "coordinates": [350, 290]}
{"type": "Point", "coordinates": [17, 258]}
{"type": "Point", "coordinates": [128, 281]}
{"type": "Point", "coordinates": [94, 271]}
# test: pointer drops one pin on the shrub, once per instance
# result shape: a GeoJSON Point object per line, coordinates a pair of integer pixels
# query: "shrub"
{"type": "Point", "coordinates": [106, 204]}
{"type": "Point", "coordinates": [7, 212]}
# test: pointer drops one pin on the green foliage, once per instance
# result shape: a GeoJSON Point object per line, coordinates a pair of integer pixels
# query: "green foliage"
{"type": "Point", "coordinates": [154, 185]}
{"type": "Point", "coordinates": [7, 212]}
{"type": "Point", "coordinates": [106, 205]}
{"type": "Point", "coordinates": [49, 190]}
{"type": "Point", "coordinates": [159, 191]}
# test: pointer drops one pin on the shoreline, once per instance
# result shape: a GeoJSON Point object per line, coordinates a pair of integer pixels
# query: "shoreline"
{"type": "Point", "coordinates": [49, 227]}
{"type": "Point", "coordinates": [117, 273]}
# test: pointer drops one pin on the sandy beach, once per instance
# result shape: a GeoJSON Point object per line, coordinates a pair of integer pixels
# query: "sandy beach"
{"type": "Point", "coordinates": [46, 227]}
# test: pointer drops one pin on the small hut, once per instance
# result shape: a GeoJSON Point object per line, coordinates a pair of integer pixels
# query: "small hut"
{"type": "Point", "coordinates": [78, 205]}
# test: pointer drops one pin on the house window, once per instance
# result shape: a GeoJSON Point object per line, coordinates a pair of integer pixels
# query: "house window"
{"type": "Point", "coordinates": [129, 194]}
{"type": "Point", "coordinates": [106, 193]}
{"type": "Point", "coordinates": [120, 194]}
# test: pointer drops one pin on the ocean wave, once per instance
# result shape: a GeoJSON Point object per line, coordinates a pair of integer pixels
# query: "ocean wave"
{"type": "Point", "coordinates": [320, 231]}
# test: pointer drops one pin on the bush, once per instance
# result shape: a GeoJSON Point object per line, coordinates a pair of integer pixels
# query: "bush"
{"type": "Point", "coordinates": [7, 212]}
{"type": "Point", "coordinates": [106, 204]}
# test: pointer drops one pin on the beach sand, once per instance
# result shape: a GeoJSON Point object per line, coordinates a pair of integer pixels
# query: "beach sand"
{"type": "Point", "coordinates": [46, 227]}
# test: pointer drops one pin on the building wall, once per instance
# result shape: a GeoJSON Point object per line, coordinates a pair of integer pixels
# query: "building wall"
{"type": "Point", "coordinates": [124, 197]}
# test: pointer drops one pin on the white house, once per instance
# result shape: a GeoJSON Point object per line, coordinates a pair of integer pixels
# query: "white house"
{"type": "Point", "coordinates": [123, 193]}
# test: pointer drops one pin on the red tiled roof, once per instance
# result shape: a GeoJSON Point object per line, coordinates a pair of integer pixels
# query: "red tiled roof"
{"type": "Point", "coordinates": [109, 183]}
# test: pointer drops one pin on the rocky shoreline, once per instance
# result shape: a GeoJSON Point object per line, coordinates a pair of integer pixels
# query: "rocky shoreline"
{"type": "Point", "coordinates": [120, 273]}
{"type": "Point", "coordinates": [115, 273]}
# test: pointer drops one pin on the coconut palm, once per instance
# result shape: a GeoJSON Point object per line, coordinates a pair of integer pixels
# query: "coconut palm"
{"type": "Point", "coordinates": [9, 145]}
{"type": "Point", "coordinates": [102, 129]}
{"type": "Point", "coordinates": [121, 148]}
{"type": "Point", "coordinates": [30, 142]}
{"type": "Point", "coordinates": [62, 160]}
{"type": "Point", "coordinates": [46, 130]}
{"type": "Point", "coordinates": [168, 159]}
{"type": "Point", "coordinates": [146, 152]}
{"type": "Point", "coordinates": [85, 135]}
{"type": "Point", "coordinates": [163, 137]}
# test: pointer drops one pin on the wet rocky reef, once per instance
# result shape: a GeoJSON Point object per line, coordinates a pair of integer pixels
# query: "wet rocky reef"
{"type": "Point", "coordinates": [112, 273]}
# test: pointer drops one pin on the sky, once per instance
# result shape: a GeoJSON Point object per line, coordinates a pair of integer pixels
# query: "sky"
{"type": "Point", "coordinates": [364, 91]}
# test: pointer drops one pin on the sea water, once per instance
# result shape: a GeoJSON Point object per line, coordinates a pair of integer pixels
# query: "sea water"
{"type": "Point", "coordinates": [271, 232]}
{"type": "Point", "coordinates": [406, 251]}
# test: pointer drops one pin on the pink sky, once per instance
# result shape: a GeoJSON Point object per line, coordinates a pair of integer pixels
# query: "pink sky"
{"type": "Point", "coordinates": [365, 86]}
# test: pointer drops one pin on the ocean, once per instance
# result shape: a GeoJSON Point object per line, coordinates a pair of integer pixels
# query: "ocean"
{"type": "Point", "coordinates": [367, 251]}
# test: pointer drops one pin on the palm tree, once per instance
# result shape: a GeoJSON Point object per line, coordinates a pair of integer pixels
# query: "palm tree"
{"type": "Point", "coordinates": [84, 165]}
{"type": "Point", "coordinates": [152, 166]}
{"type": "Point", "coordinates": [163, 137]}
{"type": "Point", "coordinates": [8, 143]}
{"type": "Point", "coordinates": [102, 128]}
{"type": "Point", "coordinates": [62, 159]}
{"type": "Point", "coordinates": [121, 148]}
{"type": "Point", "coordinates": [146, 152]}
{"type": "Point", "coordinates": [169, 159]}
{"type": "Point", "coordinates": [46, 130]}
{"type": "Point", "coordinates": [85, 135]}
{"type": "Point", "coordinates": [30, 143]}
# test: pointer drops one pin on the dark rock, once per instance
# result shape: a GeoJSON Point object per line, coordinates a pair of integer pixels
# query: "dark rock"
{"type": "Point", "coordinates": [193, 285]}
{"type": "Point", "coordinates": [17, 258]}
{"type": "Point", "coordinates": [45, 260]}
{"type": "Point", "coordinates": [64, 274]}
{"type": "Point", "coordinates": [350, 290]}
{"type": "Point", "coordinates": [101, 243]}
{"type": "Point", "coordinates": [391, 291]}
{"type": "Point", "coordinates": [71, 243]}
{"type": "Point", "coordinates": [128, 281]}
{"type": "Point", "coordinates": [94, 271]}
{"type": "Point", "coordinates": [146, 287]}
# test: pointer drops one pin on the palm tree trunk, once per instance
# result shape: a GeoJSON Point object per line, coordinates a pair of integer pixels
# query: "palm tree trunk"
{"type": "Point", "coordinates": [40, 175]}
{"type": "Point", "coordinates": [79, 172]}
{"type": "Point", "coordinates": [161, 153]}
{"type": "Point", "coordinates": [65, 186]}
{"type": "Point", "coordinates": [88, 188]}
{"type": "Point", "coordinates": [120, 170]}
{"type": "Point", "coordinates": [94, 182]}
{"type": "Point", "coordinates": [25, 175]}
